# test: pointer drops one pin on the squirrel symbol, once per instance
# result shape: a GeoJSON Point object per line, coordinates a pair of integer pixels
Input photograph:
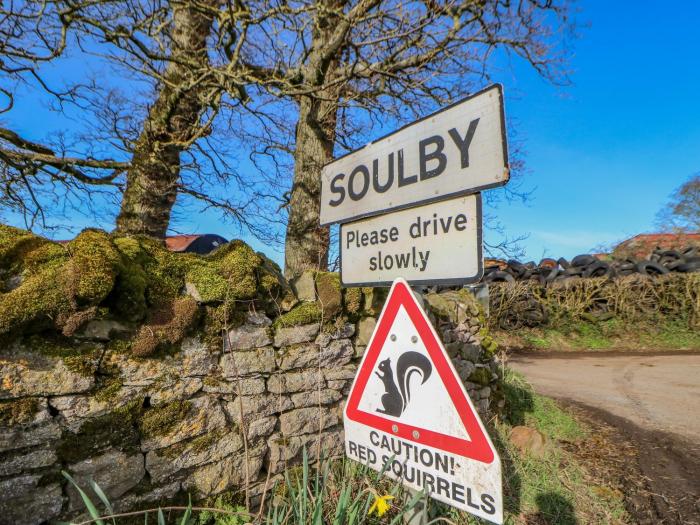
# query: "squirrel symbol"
{"type": "Point", "coordinates": [396, 397]}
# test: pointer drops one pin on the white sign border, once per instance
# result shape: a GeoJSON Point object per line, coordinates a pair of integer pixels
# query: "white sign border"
{"type": "Point", "coordinates": [461, 193]}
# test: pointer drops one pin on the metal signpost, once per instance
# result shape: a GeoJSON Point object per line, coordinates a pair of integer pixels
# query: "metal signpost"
{"type": "Point", "coordinates": [408, 413]}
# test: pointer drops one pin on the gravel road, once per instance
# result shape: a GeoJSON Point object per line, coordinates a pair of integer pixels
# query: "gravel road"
{"type": "Point", "coordinates": [654, 402]}
{"type": "Point", "coordinates": [656, 392]}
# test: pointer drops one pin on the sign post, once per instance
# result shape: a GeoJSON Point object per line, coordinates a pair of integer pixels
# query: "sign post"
{"type": "Point", "coordinates": [409, 205]}
{"type": "Point", "coordinates": [408, 414]}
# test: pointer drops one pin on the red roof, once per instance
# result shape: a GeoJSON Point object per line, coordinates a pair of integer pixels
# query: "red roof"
{"type": "Point", "coordinates": [179, 243]}
{"type": "Point", "coordinates": [644, 244]}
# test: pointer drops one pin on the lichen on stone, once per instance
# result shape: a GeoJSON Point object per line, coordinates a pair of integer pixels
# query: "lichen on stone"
{"type": "Point", "coordinates": [79, 358]}
{"type": "Point", "coordinates": [116, 429]}
{"type": "Point", "coordinates": [109, 388]}
{"type": "Point", "coordinates": [168, 325]}
{"type": "Point", "coordinates": [353, 300]}
{"type": "Point", "coordinates": [480, 376]}
{"type": "Point", "coordinates": [305, 313]}
{"type": "Point", "coordinates": [18, 412]}
{"type": "Point", "coordinates": [160, 420]}
{"type": "Point", "coordinates": [329, 293]}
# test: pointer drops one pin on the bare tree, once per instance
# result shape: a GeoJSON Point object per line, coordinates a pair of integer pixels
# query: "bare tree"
{"type": "Point", "coordinates": [168, 52]}
{"type": "Point", "coordinates": [682, 212]}
{"type": "Point", "coordinates": [349, 66]}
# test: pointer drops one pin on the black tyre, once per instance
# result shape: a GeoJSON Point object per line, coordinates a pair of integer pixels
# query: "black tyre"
{"type": "Point", "coordinates": [583, 260]}
{"type": "Point", "coordinates": [563, 263]}
{"type": "Point", "coordinates": [499, 277]}
{"type": "Point", "coordinates": [598, 269]}
{"type": "Point", "coordinates": [689, 267]}
{"type": "Point", "coordinates": [573, 270]}
{"type": "Point", "coordinates": [651, 268]}
{"type": "Point", "coordinates": [551, 275]}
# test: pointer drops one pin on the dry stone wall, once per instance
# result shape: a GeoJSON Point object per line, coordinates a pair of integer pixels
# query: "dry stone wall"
{"type": "Point", "coordinates": [197, 421]}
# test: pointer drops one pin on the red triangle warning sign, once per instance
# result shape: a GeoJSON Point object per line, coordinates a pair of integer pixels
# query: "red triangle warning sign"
{"type": "Point", "coordinates": [408, 413]}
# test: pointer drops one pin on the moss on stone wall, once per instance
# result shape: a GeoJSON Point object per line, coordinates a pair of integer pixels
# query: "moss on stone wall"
{"type": "Point", "coordinates": [116, 429]}
{"type": "Point", "coordinates": [305, 313]}
{"type": "Point", "coordinates": [46, 285]}
{"type": "Point", "coordinates": [160, 420]}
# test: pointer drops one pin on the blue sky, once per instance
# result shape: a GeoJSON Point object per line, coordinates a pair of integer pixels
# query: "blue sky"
{"type": "Point", "coordinates": [603, 153]}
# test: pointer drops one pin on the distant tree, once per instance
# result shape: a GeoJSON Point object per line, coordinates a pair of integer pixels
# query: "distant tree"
{"type": "Point", "coordinates": [682, 212]}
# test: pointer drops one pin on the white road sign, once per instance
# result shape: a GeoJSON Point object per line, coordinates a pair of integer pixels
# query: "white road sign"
{"type": "Point", "coordinates": [437, 243]}
{"type": "Point", "coordinates": [409, 415]}
{"type": "Point", "coordinates": [459, 150]}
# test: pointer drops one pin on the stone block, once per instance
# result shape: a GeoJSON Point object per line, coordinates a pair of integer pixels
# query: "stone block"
{"type": "Point", "coordinates": [290, 382]}
{"type": "Point", "coordinates": [298, 356]}
{"type": "Point", "coordinates": [329, 293]}
{"type": "Point", "coordinates": [37, 458]}
{"type": "Point", "coordinates": [197, 359]}
{"type": "Point", "coordinates": [40, 429]}
{"type": "Point", "coordinates": [115, 472]}
{"type": "Point", "coordinates": [257, 319]}
{"type": "Point", "coordinates": [26, 373]}
{"type": "Point", "coordinates": [155, 497]}
{"type": "Point", "coordinates": [169, 391]}
{"type": "Point", "coordinates": [24, 502]}
{"type": "Point", "coordinates": [140, 372]}
{"type": "Point", "coordinates": [304, 286]}
{"type": "Point", "coordinates": [246, 337]}
{"type": "Point", "coordinates": [204, 415]}
{"type": "Point", "coordinates": [471, 352]}
{"type": "Point", "coordinates": [227, 473]}
{"type": "Point", "coordinates": [293, 335]}
{"type": "Point", "coordinates": [306, 421]}
{"type": "Point", "coordinates": [236, 364]}
{"type": "Point", "coordinates": [261, 428]}
{"type": "Point", "coordinates": [327, 396]}
{"type": "Point", "coordinates": [163, 464]}
{"type": "Point", "coordinates": [340, 372]}
{"type": "Point", "coordinates": [286, 451]}
{"type": "Point", "coordinates": [102, 330]}
{"type": "Point", "coordinates": [528, 441]}
{"type": "Point", "coordinates": [365, 329]}
{"type": "Point", "coordinates": [338, 353]}
{"type": "Point", "coordinates": [245, 386]}
{"type": "Point", "coordinates": [255, 407]}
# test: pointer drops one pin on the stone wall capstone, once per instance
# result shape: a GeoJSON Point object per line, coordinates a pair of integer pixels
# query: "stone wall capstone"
{"type": "Point", "coordinates": [200, 420]}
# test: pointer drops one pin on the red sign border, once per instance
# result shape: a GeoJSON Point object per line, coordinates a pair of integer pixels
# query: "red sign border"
{"type": "Point", "coordinates": [479, 448]}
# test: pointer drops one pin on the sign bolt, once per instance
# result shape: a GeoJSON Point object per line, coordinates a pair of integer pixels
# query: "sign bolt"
{"type": "Point", "coordinates": [415, 434]}
{"type": "Point", "coordinates": [394, 428]}
{"type": "Point", "coordinates": [414, 339]}
{"type": "Point", "coordinates": [393, 337]}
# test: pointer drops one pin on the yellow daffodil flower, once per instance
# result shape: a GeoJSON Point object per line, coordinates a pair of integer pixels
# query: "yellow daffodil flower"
{"type": "Point", "coordinates": [381, 504]}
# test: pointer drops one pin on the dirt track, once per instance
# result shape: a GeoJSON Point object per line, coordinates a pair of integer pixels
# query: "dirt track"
{"type": "Point", "coordinates": [653, 400]}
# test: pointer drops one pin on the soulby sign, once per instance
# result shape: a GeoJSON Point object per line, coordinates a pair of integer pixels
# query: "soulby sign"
{"type": "Point", "coordinates": [458, 150]}
{"type": "Point", "coordinates": [409, 415]}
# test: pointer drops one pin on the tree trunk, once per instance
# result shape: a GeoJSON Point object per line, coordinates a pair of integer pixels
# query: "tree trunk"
{"type": "Point", "coordinates": [307, 243]}
{"type": "Point", "coordinates": [172, 123]}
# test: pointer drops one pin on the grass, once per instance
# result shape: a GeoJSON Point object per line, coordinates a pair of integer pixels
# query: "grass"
{"type": "Point", "coordinates": [552, 489]}
{"type": "Point", "coordinates": [606, 335]}
{"type": "Point", "coordinates": [555, 488]}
